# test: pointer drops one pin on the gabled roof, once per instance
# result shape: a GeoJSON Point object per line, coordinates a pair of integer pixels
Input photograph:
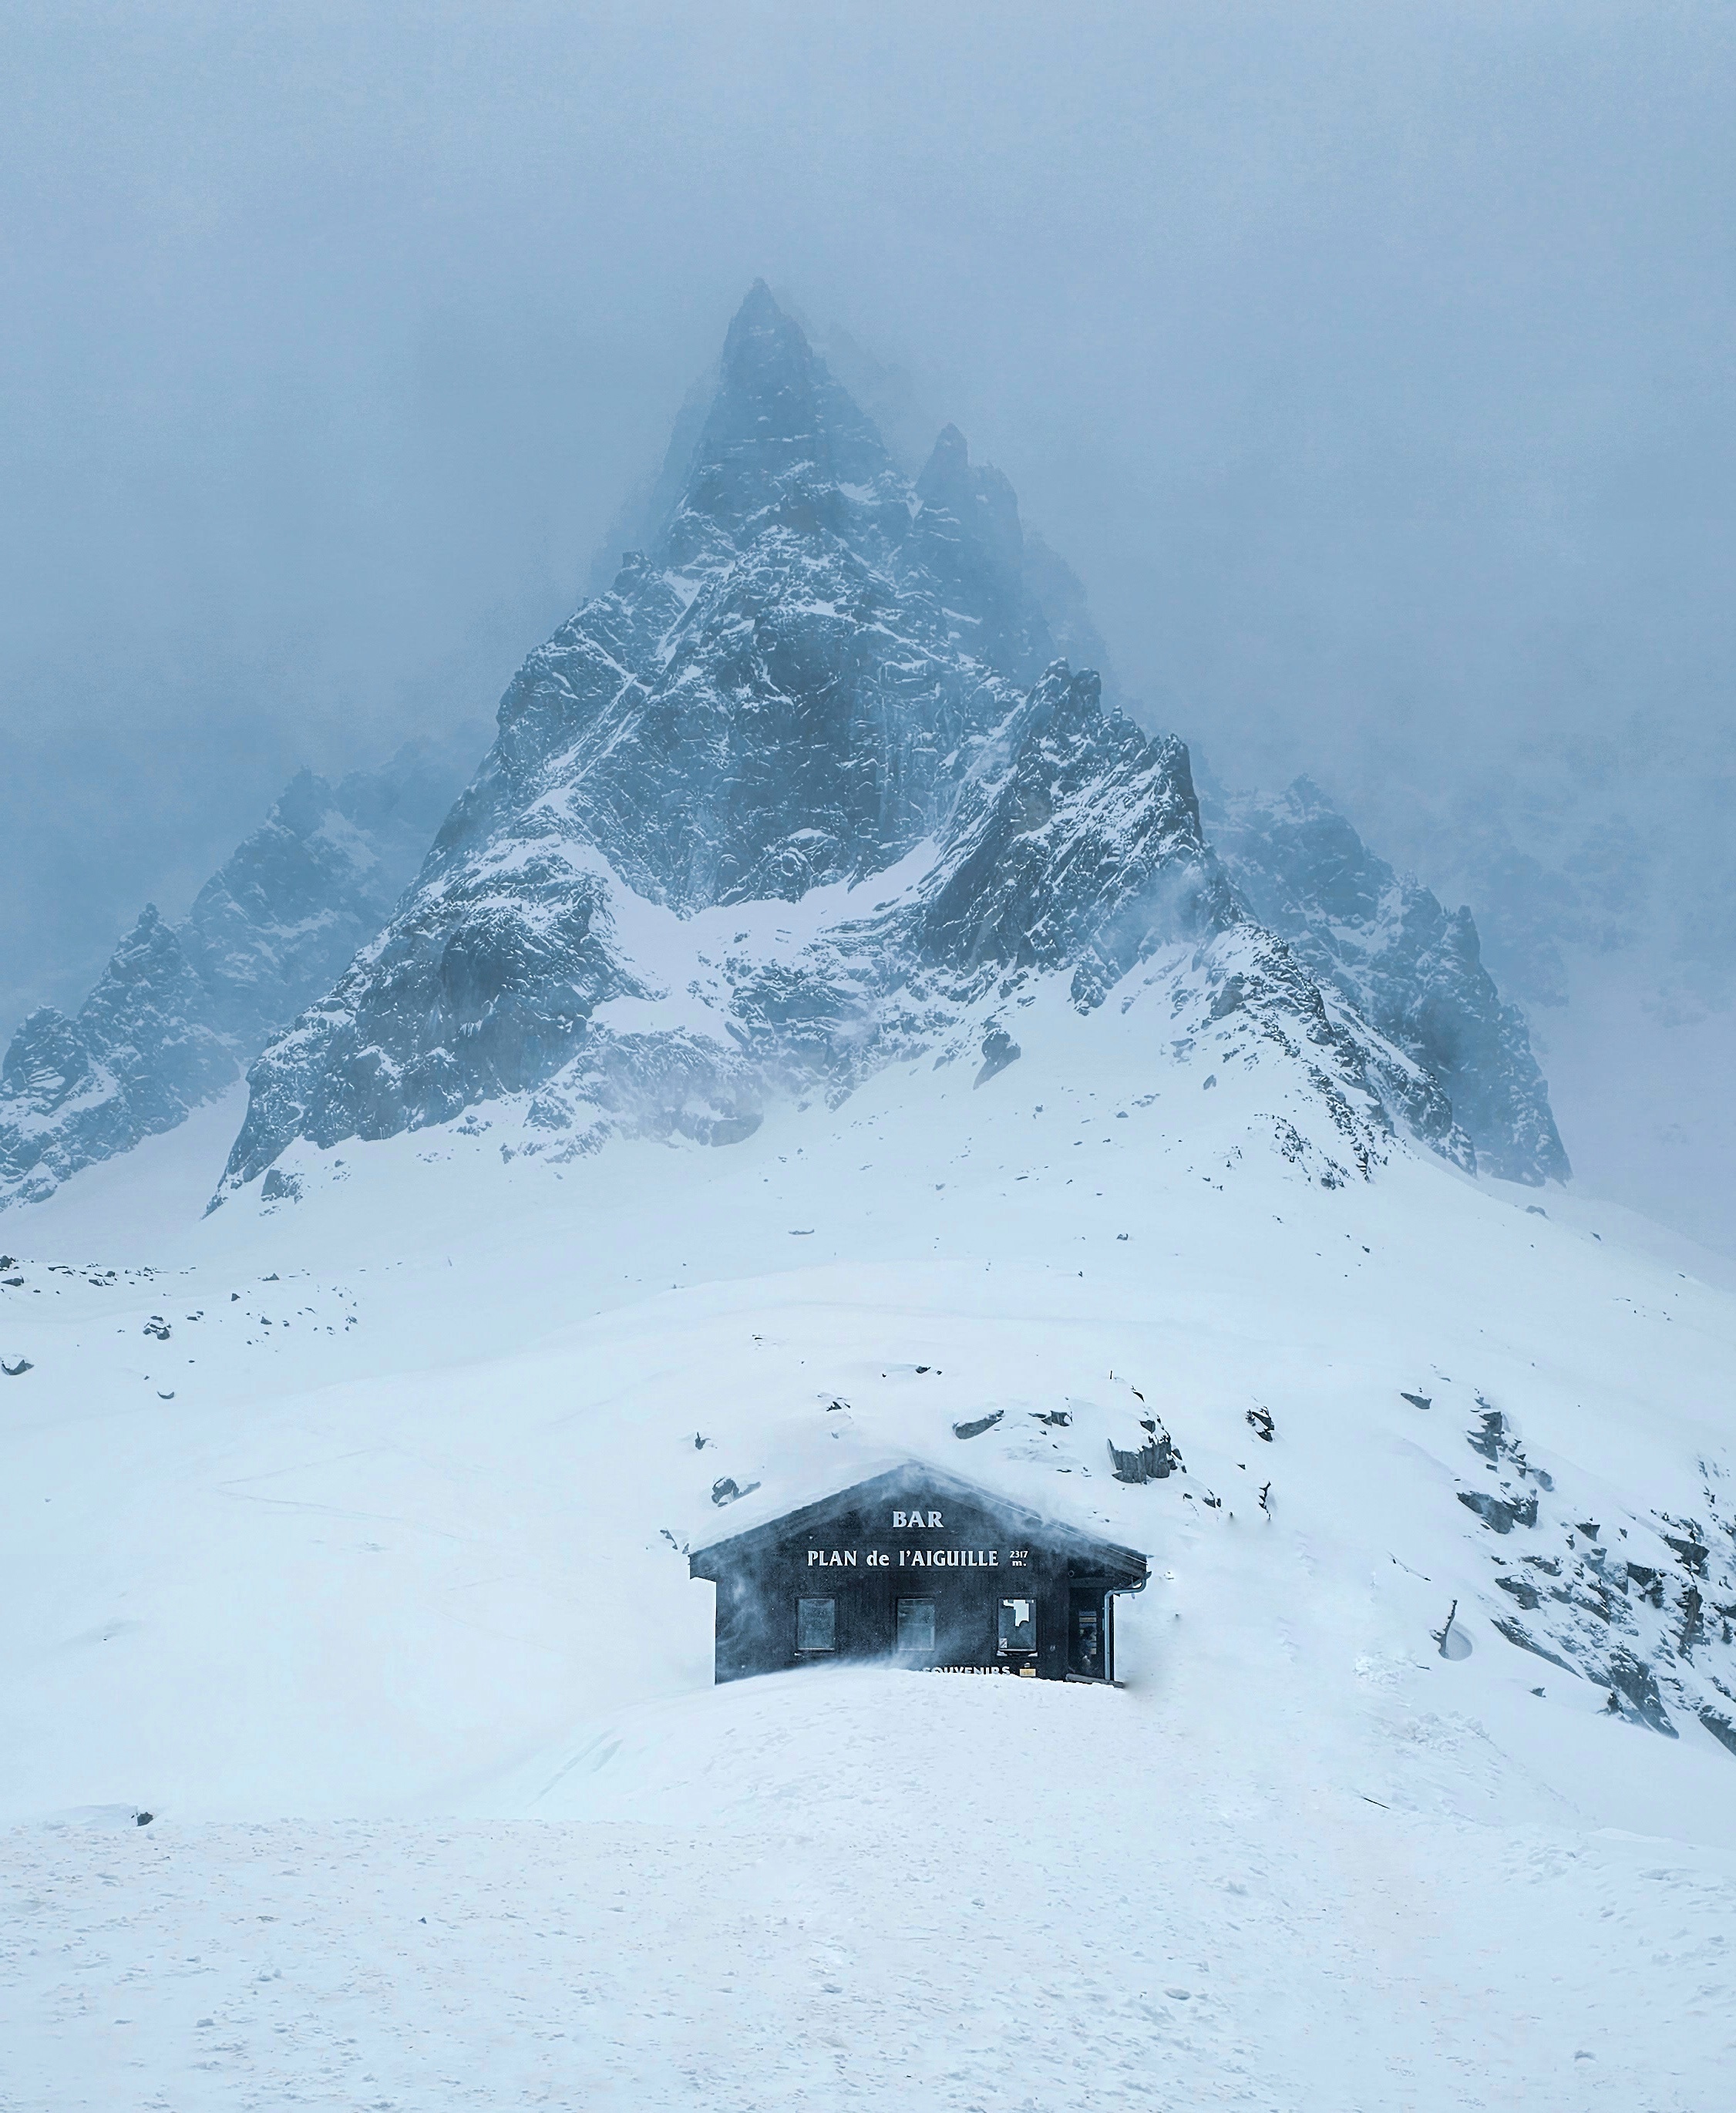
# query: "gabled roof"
{"type": "Point", "coordinates": [913, 1476]}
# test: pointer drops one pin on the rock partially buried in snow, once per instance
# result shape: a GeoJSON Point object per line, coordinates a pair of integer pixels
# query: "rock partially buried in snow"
{"type": "Point", "coordinates": [1153, 1462]}
{"type": "Point", "coordinates": [978, 1424]}
{"type": "Point", "coordinates": [726, 1490]}
{"type": "Point", "coordinates": [999, 1050]}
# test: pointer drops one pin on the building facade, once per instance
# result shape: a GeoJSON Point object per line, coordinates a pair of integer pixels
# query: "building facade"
{"type": "Point", "coordinates": [920, 1568]}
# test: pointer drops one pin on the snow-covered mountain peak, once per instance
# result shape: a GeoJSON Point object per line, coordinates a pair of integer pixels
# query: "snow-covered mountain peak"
{"type": "Point", "coordinates": [781, 438]}
{"type": "Point", "coordinates": [820, 684]}
{"type": "Point", "coordinates": [819, 672]}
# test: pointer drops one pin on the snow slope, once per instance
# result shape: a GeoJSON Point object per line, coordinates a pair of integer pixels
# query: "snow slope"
{"type": "Point", "coordinates": [365, 1579]}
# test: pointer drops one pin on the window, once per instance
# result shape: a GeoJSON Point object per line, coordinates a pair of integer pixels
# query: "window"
{"type": "Point", "coordinates": [1018, 1626]}
{"type": "Point", "coordinates": [816, 1625]}
{"type": "Point", "coordinates": [915, 1625]}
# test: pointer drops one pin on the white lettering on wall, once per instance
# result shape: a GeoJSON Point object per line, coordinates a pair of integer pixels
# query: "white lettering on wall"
{"type": "Point", "coordinates": [911, 1559]}
{"type": "Point", "coordinates": [949, 1559]}
{"type": "Point", "coordinates": [925, 1520]}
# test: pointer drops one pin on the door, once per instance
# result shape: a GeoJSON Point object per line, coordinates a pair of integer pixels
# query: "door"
{"type": "Point", "coordinates": [1087, 1638]}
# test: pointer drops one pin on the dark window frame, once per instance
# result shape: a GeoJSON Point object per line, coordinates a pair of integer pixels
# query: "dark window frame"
{"type": "Point", "coordinates": [816, 1651]}
{"type": "Point", "coordinates": [916, 1599]}
{"type": "Point", "coordinates": [1002, 1648]}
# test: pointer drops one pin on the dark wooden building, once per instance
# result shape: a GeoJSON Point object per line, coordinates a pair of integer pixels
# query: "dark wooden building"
{"type": "Point", "coordinates": [921, 1569]}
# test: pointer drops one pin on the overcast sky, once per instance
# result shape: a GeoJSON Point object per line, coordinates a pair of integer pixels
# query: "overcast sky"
{"type": "Point", "coordinates": [1370, 363]}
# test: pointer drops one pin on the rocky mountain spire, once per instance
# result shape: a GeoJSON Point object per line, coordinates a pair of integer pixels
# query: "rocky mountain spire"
{"type": "Point", "coordinates": [807, 710]}
{"type": "Point", "coordinates": [781, 435]}
{"type": "Point", "coordinates": [974, 542]}
{"type": "Point", "coordinates": [775, 697]}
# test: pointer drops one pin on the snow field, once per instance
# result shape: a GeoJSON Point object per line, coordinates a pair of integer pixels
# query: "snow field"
{"type": "Point", "coordinates": [383, 1615]}
{"type": "Point", "coordinates": [872, 1890]}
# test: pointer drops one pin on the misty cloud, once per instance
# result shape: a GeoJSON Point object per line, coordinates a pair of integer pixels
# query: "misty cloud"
{"type": "Point", "coordinates": [1369, 366]}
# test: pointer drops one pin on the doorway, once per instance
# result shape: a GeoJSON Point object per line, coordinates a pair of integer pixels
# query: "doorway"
{"type": "Point", "coordinates": [1088, 1653]}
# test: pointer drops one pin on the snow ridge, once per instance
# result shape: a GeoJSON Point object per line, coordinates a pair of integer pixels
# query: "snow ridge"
{"type": "Point", "coordinates": [180, 1009]}
{"type": "Point", "coordinates": [1412, 969]}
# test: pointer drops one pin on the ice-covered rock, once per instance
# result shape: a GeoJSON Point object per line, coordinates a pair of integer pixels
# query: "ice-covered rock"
{"type": "Point", "coordinates": [180, 1009]}
{"type": "Point", "coordinates": [1409, 966]}
{"type": "Point", "coordinates": [144, 1049]}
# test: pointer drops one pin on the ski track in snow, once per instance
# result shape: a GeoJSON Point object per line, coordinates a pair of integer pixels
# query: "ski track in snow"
{"type": "Point", "coordinates": [377, 1617]}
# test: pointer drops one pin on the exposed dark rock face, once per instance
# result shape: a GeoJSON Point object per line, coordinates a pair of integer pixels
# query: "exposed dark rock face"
{"type": "Point", "coordinates": [1155, 1461]}
{"type": "Point", "coordinates": [1411, 968]}
{"type": "Point", "coordinates": [1073, 841]}
{"type": "Point", "coordinates": [999, 1050]}
{"type": "Point", "coordinates": [978, 1424]}
{"type": "Point", "coordinates": [180, 1009]}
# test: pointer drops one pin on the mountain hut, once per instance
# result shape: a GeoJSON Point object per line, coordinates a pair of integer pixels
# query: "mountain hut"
{"type": "Point", "coordinates": [919, 1567]}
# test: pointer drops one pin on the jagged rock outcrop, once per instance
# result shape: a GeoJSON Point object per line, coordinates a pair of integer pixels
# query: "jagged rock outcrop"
{"type": "Point", "coordinates": [179, 1010]}
{"type": "Point", "coordinates": [805, 790]}
{"type": "Point", "coordinates": [289, 907]}
{"type": "Point", "coordinates": [144, 1049]}
{"type": "Point", "coordinates": [1411, 968]}
{"type": "Point", "coordinates": [1073, 841]}
{"type": "Point", "coordinates": [1644, 1606]}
